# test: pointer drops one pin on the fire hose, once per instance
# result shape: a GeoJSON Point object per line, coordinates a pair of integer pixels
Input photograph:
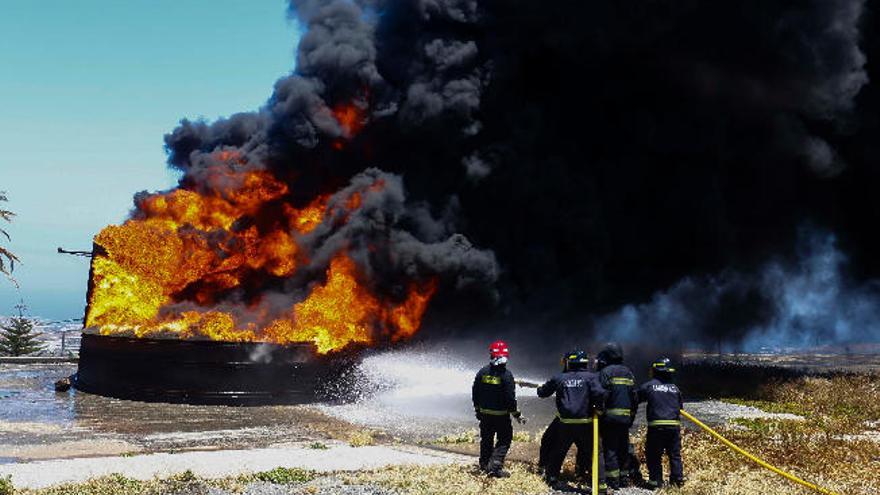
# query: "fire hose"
{"type": "Point", "coordinates": [753, 458]}
{"type": "Point", "coordinates": [595, 472]}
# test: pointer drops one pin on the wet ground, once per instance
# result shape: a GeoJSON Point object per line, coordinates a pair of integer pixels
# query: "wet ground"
{"type": "Point", "coordinates": [392, 394]}
{"type": "Point", "coordinates": [38, 423]}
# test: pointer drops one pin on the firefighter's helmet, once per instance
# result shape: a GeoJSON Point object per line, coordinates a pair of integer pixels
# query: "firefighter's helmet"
{"type": "Point", "coordinates": [498, 352]}
{"type": "Point", "coordinates": [662, 367]}
{"type": "Point", "coordinates": [612, 353]}
{"type": "Point", "coordinates": [577, 360]}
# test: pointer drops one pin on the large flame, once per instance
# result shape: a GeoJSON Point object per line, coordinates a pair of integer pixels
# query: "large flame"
{"type": "Point", "coordinates": [166, 271]}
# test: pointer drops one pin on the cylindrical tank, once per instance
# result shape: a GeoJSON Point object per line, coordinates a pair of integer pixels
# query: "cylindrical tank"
{"type": "Point", "coordinates": [198, 371]}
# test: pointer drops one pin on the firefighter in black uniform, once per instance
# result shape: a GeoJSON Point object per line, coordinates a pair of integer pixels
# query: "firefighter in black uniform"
{"type": "Point", "coordinates": [621, 405]}
{"type": "Point", "coordinates": [550, 433]}
{"type": "Point", "coordinates": [494, 397]}
{"type": "Point", "coordinates": [664, 424]}
{"type": "Point", "coordinates": [578, 395]}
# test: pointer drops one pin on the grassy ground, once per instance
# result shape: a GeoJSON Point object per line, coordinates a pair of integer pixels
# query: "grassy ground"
{"type": "Point", "coordinates": [184, 483]}
{"type": "Point", "coordinates": [837, 446]}
{"type": "Point", "coordinates": [834, 446]}
{"type": "Point", "coordinates": [453, 480]}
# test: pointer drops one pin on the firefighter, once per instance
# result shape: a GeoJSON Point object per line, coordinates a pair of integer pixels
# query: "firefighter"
{"type": "Point", "coordinates": [578, 395]}
{"type": "Point", "coordinates": [664, 424]}
{"type": "Point", "coordinates": [549, 435]}
{"type": "Point", "coordinates": [621, 405]}
{"type": "Point", "coordinates": [494, 398]}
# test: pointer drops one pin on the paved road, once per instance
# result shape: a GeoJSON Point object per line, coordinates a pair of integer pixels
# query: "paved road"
{"type": "Point", "coordinates": [222, 463]}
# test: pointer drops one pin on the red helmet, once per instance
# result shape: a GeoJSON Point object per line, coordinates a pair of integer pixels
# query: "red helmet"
{"type": "Point", "coordinates": [498, 349]}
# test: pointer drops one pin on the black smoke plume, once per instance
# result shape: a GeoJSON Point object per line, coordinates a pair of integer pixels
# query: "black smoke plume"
{"type": "Point", "coordinates": [602, 150]}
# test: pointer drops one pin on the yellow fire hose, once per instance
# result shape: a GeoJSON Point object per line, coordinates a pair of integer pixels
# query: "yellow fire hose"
{"type": "Point", "coordinates": [747, 455]}
{"type": "Point", "coordinates": [595, 472]}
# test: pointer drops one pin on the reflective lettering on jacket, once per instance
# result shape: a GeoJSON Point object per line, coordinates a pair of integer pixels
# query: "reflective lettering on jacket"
{"type": "Point", "coordinates": [664, 403]}
{"type": "Point", "coordinates": [578, 394]}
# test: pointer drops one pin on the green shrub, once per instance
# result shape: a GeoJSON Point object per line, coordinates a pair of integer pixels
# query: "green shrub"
{"type": "Point", "coordinates": [112, 484]}
{"type": "Point", "coordinates": [757, 425]}
{"type": "Point", "coordinates": [361, 439]}
{"type": "Point", "coordinates": [6, 487]}
{"type": "Point", "coordinates": [470, 436]}
{"type": "Point", "coordinates": [284, 476]}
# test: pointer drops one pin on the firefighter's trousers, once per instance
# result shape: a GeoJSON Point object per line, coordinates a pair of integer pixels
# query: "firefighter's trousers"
{"type": "Point", "coordinates": [583, 457]}
{"type": "Point", "coordinates": [496, 434]}
{"type": "Point", "coordinates": [663, 439]}
{"type": "Point", "coordinates": [580, 434]}
{"type": "Point", "coordinates": [615, 440]}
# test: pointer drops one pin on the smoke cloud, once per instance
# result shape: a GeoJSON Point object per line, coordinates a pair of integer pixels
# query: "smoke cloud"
{"type": "Point", "coordinates": [595, 153]}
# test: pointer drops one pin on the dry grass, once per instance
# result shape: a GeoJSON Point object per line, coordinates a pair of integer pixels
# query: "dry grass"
{"type": "Point", "coordinates": [826, 448]}
{"type": "Point", "coordinates": [472, 436]}
{"type": "Point", "coordinates": [183, 483]}
{"type": "Point", "coordinates": [453, 479]}
{"type": "Point", "coordinates": [361, 438]}
{"type": "Point", "coordinates": [469, 436]}
{"type": "Point", "coordinates": [116, 484]}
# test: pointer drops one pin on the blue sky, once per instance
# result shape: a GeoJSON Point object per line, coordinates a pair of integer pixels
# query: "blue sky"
{"type": "Point", "coordinates": [87, 90]}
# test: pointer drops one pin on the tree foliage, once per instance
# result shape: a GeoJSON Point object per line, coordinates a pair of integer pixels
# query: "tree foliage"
{"type": "Point", "coordinates": [18, 337]}
{"type": "Point", "coordinates": [7, 258]}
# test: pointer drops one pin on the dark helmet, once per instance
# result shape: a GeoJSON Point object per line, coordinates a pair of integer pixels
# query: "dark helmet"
{"type": "Point", "coordinates": [612, 353]}
{"type": "Point", "coordinates": [662, 368]}
{"type": "Point", "coordinates": [577, 360]}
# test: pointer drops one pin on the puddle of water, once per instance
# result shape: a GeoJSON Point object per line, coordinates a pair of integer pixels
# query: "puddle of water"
{"type": "Point", "coordinates": [5, 394]}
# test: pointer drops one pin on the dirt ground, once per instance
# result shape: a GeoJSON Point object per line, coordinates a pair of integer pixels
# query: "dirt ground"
{"type": "Point", "coordinates": [816, 425]}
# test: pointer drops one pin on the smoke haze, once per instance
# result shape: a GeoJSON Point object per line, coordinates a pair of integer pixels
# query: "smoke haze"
{"type": "Point", "coordinates": [811, 300]}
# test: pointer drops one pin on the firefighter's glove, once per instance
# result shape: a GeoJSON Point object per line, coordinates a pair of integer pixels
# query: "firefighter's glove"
{"type": "Point", "coordinates": [519, 417]}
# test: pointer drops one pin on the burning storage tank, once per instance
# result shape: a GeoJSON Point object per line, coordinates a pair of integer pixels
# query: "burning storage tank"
{"type": "Point", "coordinates": [198, 371]}
{"type": "Point", "coordinates": [281, 239]}
{"type": "Point", "coordinates": [236, 295]}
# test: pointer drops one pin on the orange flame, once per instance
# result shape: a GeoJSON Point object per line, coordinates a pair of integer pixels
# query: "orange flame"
{"type": "Point", "coordinates": [164, 271]}
{"type": "Point", "coordinates": [350, 117]}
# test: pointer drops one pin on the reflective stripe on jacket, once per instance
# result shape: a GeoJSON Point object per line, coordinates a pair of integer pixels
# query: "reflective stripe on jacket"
{"type": "Point", "coordinates": [494, 391]}
{"type": "Point", "coordinates": [622, 401]}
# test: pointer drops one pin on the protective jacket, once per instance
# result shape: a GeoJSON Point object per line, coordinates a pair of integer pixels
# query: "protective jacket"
{"type": "Point", "coordinates": [622, 401]}
{"type": "Point", "coordinates": [494, 392]}
{"type": "Point", "coordinates": [664, 403]}
{"type": "Point", "coordinates": [578, 393]}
